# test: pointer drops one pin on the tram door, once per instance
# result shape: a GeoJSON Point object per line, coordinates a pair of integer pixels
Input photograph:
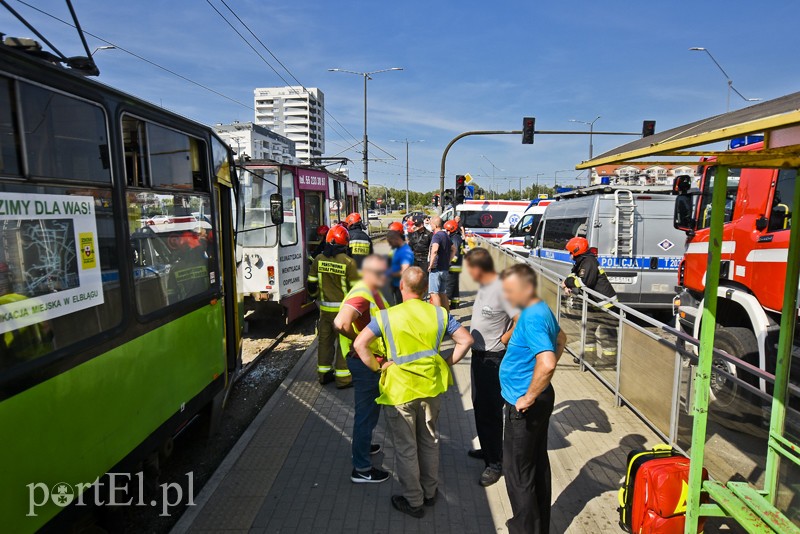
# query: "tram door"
{"type": "Point", "coordinates": [313, 204]}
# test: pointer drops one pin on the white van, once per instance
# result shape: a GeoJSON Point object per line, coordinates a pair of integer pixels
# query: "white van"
{"type": "Point", "coordinates": [490, 219]}
{"type": "Point", "coordinates": [514, 240]}
{"type": "Point", "coordinates": [629, 226]}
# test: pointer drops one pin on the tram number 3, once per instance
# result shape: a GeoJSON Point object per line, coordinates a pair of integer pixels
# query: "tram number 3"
{"type": "Point", "coordinates": [248, 272]}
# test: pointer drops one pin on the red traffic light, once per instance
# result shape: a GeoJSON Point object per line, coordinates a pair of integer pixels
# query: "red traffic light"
{"type": "Point", "coordinates": [460, 180]}
{"type": "Point", "coordinates": [648, 128]}
{"type": "Point", "coordinates": [528, 127]}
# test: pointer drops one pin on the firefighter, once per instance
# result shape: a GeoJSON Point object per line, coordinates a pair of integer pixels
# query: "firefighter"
{"type": "Point", "coordinates": [601, 327]}
{"type": "Point", "coordinates": [322, 231]}
{"type": "Point", "coordinates": [397, 226]}
{"type": "Point", "coordinates": [332, 274]}
{"type": "Point", "coordinates": [453, 289]}
{"type": "Point", "coordinates": [360, 242]}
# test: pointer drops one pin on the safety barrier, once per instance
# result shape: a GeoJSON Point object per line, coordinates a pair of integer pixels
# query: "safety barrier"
{"type": "Point", "coordinates": [649, 366]}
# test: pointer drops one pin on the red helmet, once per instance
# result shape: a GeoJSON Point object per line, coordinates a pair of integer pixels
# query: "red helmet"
{"type": "Point", "coordinates": [396, 227]}
{"type": "Point", "coordinates": [451, 226]}
{"type": "Point", "coordinates": [322, 230]}
{"type": "Point", "coordinates": [577, 246]}
{"type": "Point", "coordinates": [353, 218]}
{"type": "Point", "coordinates": [338, 235]}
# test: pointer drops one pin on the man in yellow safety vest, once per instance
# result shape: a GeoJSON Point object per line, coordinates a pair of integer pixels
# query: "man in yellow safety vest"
{"type": "Point", "coordinates": [330, 277]}
{"type": "Point", "coordinates": [361, 304]}
{"type": "Point", "coordinates": [412, 380]}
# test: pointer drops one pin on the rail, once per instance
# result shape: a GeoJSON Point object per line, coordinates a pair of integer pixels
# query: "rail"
{"type": "Point", "coordinates": [650, 367]}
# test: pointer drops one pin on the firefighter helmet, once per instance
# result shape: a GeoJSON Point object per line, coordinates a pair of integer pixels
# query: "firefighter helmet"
{"type": "Point", "coordinates": [577, 246]}
{"type": "Point", "coordinates": [353, 218]}
{"type": "Point", "coordinates": [338, 235]}
{"type": "Point", "coordinates": [322, 230]}
{"type": "Point", "coordinates": [451, 226]}
{"type": "Point", "coordinates": [396, 227]}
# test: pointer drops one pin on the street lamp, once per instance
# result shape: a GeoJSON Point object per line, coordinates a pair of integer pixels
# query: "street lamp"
{"type": "Point", "coordinates": [493, 169]}
{"type": "Point", "coordinates": [105, 47]}
{"type": "Point", "coordinates": [367, 76]}
{"type": "Point", "coordinates": [727, 78]}
{"type": "Point", "coordinates": [407, 142]}
{"type": "Point", "coordinates": [591, 134]}
{"type": "Point", "coordinates": [538, 174]}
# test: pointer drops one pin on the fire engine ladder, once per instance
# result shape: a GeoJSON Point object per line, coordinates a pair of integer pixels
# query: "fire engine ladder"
{"type": "Point", "coordinates": [623, 223]}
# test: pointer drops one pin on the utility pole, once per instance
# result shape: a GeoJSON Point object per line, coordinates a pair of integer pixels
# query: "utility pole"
{"type": "Point", "coordinates": [407, 142]}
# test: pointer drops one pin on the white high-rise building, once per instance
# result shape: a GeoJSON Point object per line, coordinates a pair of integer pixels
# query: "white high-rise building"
{"type": "Point", "coordinates": [296, 113]}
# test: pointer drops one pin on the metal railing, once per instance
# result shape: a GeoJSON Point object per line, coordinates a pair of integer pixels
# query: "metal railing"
{"type": "Point", "coordinates": [649, 366]}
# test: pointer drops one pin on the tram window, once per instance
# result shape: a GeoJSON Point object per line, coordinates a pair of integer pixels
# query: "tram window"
{"type": "Point", "coordinates": [256, 188]}
{"type": "Point", "coordinates": [780, 217]}
{"type": "Point", "coordinates": [221, 159]}
{"type": "Point", "coordinates": [59, 272]}
{"type": "Point", "coordinates": [9, 137]}
{"type": "Point", "coordinates": [558, 231]}
{"type": "Point", "coordinates": [176, 160]}
{"type": "Point", "coordinates": [64, 137]}
{"type": "Point", "coordinates": [134, 138]}
{"type": "Point", "coordinates": [312, 216]}
{"type": "Point", "coordinates": [172, 245]}
{"type": "Point", "coordinates": [289, 226]}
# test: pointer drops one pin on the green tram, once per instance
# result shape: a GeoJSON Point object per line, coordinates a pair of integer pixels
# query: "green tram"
{"type": "Point", "coordinates": [119, 315]}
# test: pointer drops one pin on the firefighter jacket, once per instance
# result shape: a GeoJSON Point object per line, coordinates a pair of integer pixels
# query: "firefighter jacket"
{"type": "Point", "coordinates": [360, 244]}
{"type": "Point", "coordinates": [331, 276]}
{"type": "Point", "coordinates": [587, 273]}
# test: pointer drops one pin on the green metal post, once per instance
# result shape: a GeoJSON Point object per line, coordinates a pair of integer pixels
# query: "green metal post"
{"type": "Point", "coordinates": [707, 328]}
{"type": "Point", "coordinates": [783, 365]}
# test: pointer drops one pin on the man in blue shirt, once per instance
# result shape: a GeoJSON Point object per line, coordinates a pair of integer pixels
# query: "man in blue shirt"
{"type": "Point", "coordinates": [525, 374]}
{"type": "Point", "coordinates": [402, 259]}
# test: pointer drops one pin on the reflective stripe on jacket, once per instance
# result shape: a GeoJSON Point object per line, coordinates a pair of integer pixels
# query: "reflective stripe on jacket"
{"type": "Point", "coordinates": [361, 290]}
{"type": "Point", "coordinates": [413, 332]}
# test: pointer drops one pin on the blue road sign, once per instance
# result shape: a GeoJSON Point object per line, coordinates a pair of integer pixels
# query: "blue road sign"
{"type": "Point", "coordinates": [469, 192]}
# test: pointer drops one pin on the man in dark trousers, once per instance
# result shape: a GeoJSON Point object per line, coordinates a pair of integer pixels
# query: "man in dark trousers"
{"type": "Point", "coordinates": [419, 239]}
{"type": "Point", "coordinates": [601, 327]}
{"type": "Point", "coordinates": [491, 327]}
{"type": "Point", "coordinates": [525, 374]}
{"type": "Point", "coordinates": [360, 242]}
{"type": "Point", "coordinates": [453, 280]}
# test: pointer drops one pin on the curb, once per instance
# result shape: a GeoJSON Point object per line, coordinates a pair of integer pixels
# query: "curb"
{"type": "Point", "coordinates": [190, 515]}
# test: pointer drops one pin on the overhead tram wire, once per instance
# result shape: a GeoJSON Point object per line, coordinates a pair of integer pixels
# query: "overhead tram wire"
{"type": "Point", "coordinates": [137, 56]}
{"type": "Point", "coordinates": [288, 84]}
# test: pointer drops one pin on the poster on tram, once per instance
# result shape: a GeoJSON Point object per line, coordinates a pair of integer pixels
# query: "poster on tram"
{"type": "Point", "coordinates": [49, 263]}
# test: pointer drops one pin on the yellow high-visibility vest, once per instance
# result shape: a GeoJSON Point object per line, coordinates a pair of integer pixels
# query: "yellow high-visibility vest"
{"type": "Point", "coordinates": [361, 290]}
{"type": "Point", "coordinates": [413, 332]}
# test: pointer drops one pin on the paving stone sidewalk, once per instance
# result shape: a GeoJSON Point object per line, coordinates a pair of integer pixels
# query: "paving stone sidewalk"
{"type": "Point", "coordinates": [290, 472]}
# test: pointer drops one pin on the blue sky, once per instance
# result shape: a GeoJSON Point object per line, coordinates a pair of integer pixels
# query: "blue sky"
{"type": "Point", "coordinates": [468, 65]}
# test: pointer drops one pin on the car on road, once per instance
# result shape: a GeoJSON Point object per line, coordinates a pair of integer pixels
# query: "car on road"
{"type": "Point", "coordinates": [409, 215]}
{"type": "Point", "coordinates": [371, 214]}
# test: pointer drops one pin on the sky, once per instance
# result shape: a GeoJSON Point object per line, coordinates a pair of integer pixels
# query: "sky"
{"type": "Point", "coordinates": [468, 65]}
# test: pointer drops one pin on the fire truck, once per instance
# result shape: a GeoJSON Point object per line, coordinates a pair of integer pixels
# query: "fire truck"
{"type": "Point", "coordinates": [754, 254]}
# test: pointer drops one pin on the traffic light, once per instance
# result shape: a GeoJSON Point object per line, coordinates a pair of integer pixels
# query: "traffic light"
{"type": "Point", "coordinates": [648, 128]}
{"type": "Point", "coordinates": [528, 124]}
{"type": "Point", "coordinates": [436, 201]}
{"type": "Point", "coordinates": [461, 188]}
{"type": "Point", "coordinates": [448, 198]}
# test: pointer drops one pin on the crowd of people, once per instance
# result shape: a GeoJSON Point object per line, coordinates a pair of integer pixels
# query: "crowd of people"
{"type": "Point", "coordinates": [389, 349]}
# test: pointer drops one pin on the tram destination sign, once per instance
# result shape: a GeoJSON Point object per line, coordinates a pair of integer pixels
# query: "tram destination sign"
{"type": "Point", "coordinates": [49, 245]}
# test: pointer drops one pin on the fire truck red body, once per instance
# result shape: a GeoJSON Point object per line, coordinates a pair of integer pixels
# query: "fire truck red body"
{"type": "Point", "coordinates": [754, 255]}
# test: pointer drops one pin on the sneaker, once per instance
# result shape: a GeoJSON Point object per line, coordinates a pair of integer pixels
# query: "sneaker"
{"type": "Point", "coordinates": [476, 453]}
{"type": "Point", "coordinates": [373, 476]}
{"type": "Point", "coordinates": [491, 475]}
{"type": "Point", "coordinates": [375, 448]}
{"type": "Point", "coordinates": [327, 378]}
{"type": "Point", "coordinates": [401, 504]}
{"type": "Point", "coordinates": [432, 500]}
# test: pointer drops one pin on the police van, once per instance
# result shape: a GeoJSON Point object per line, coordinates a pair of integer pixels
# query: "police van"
{"type": "Point", "coordinates": [490, 219]}
{"type": "Point", "coordinates": [629, 228]}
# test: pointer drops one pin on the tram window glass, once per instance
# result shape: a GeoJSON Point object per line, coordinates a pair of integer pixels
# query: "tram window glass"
{"type": "Point", "coordinates": [176, 160]}
{"type": "Point", "coordinates": [289, 226]}
{"type": "Point", "coordinates": [312, 215]}
{"type": "Point", "coordinates": [134, 138]}
{"type": "Point", "coordinates": [64, 137]}
{"type": "Point", "coordinates": [558, 231]}
{"type": "Point", "coordinates": [482, 219]}
{"type": "Point", "coordinates": [781, 213]}
{"type": "Point", "coordinates": [221, 158]}
{"type": "Point", "coordinates": [59, 272]}
{"type": "Point", "coordinates": [333, 204]}
{"type": "Point", "coordinates": [256, 187]}
{"type": "Point", "coordinates": [172, 243]}
{"type": "Point", "coordinates": [704, 221]}
{"type": "Point", "coordinates": [9, 136]}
